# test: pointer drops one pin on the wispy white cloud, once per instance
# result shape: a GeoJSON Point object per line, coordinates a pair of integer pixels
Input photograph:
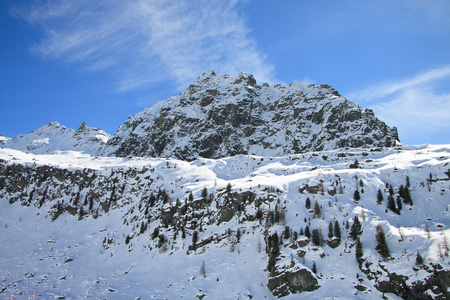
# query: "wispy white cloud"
{"type": "Point", "coordinates": [419, 106]}
{"type": "Point", "coordinates": [423, 80]}
{"type": "Point", "coordinates": [418, 115]}
{"type": "Point", "coordinates": [147, 41]}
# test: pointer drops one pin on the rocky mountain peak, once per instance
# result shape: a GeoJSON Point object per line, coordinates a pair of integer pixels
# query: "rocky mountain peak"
{"type": "Point", "coordinates": [222, 115]}
{"type": "Point", "coordinates": [82, 127]}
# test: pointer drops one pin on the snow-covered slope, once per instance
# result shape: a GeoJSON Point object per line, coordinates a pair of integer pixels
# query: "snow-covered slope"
{"type": "Point", "coordinates": [77, 226]}
{"type": "Point", "coordinates": [219, 116]}
{"type": "Point", "coordinates": [3, 139]}
{"type": "Point", "coordinates": [56, 137]}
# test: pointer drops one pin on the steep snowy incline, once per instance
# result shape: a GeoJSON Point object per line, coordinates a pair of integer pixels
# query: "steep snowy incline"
{"type": "Point", "coordinates": [78, 226]}
{"type": "Point", "coordinates": [56, 137]}
{"type": "Point", "coordinates": [219, 116]}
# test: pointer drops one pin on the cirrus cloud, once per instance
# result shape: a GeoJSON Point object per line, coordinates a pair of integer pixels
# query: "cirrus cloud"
{"type": "Point", "coordinates": [419, 106]}
{"type": "Point", "coordinates": [147, 42]}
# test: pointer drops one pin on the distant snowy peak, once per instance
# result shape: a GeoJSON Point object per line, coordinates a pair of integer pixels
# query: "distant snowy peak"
{"type": "Point", "coordinates": [3, 138]}
{"type": "Point", "coordinates": [219, 116]}
{"type": "Point", "coordinates": [54, 136]}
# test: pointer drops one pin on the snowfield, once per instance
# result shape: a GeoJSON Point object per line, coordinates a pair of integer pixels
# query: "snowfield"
{"type": "Point", "coordinates": [109, 257]}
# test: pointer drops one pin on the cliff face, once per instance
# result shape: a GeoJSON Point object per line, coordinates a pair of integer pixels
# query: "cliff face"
{"type": "Point", "coordinates": [219, 116]}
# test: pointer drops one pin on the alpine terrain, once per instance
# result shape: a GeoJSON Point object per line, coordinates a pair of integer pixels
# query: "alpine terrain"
{"type": "Point", "coordinates": [230, 190]}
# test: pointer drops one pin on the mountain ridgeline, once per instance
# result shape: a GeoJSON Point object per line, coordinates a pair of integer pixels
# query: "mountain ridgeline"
{"type": "Point", "coordinates": [221, 116]}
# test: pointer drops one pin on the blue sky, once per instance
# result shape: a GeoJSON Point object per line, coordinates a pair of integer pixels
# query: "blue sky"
{"type": "Point", "coordinates": [101, 61]}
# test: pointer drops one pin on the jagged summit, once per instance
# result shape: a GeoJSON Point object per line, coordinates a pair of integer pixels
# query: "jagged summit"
{"type": "Point", "coordinates": [222, 115]}
{"type": "Point", "coordinates": [83, 127]}
{"type": "Point", "coordinates": [54, 136]}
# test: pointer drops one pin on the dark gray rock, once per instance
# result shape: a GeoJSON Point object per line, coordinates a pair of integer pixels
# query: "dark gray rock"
{"type": "Point", "coordinates": [286, 280]}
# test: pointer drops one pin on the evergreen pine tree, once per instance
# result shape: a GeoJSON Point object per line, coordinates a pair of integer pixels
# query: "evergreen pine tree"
{"type": "Point", "coordinates": [228, 190]}
{"type": "Point", "coordinates": [419, 259]}
{"type": "Point", "coordinates": [155, 233]}
{"type": "Point", "coordinates": [356, 196]}
{"type": "Point", "coordinates": [307, 232]}
{"type": "Point", "coordinates": [354, 165]}
{"type": "Point", "coordinates": [286, 232]}
{"type": "Point", "coordinates": [314, 268]}
{"type": "Point", "coordinates": [273, 249]}
{"type": "Point", "coordinates": [330, 230]}
{"type": "Point", "coordinates": [308, 203]}
{"type": "Point", "coordinates": [277, 214]}
{"type": "Point", "coordinates": [391, 203]}
{"type": "Point", "coordinates": [381, 246]}
{"type": "Point", "coordinates": [391, 190]}
{"type": "Point", "coordinates": [379, 197]}
{"type": "Point", "coordinates": [359, 250]}
{"type": "Point", "coordinates": [408, 199]}
{"type": "Point", "coordinates": [204, 193]}
{"type": "Point", "coordinates": [317, 210]}
{"type": "Point", "coordinates": [194, 239]}
{"type": "Point", "coordinates": [143, 227]}
{"type": "Point", "coordinates": [316, 237]}
{"type": "Point", "coordinates": [401, 191]}
{"type": "Point", "coordinates": [337, 230]}
{"type": "Point", "coordinates": [152, 200]}
{"type": "Point", "coordinates": [399, 205]}
{"type": "Point", "coordinates": [356, 228]}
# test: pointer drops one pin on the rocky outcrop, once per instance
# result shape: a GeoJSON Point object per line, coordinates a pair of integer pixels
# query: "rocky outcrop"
{"type": "Point", "coordinates": [220, 116]}
{"type": "Point", "coordinates": [291, 279]}
{"type": "Point", "coordinates": [405, 287]}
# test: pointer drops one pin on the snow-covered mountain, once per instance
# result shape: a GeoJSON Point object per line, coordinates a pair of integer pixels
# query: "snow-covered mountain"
{"type": "Point", "coordinates": [3, 138]}
{"type": "Point", "coordinates": [56, 137]}
{"type": "Point", "coordinates": [219, 116]}
{"type": "Point", "coordinates": [304, 226]}
{"type": "Point", "coordinates": [230, 190]}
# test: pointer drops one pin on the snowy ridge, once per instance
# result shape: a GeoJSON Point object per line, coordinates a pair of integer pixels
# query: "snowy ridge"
{"type": "Point", "coordinates": [56, 137]}
{"type": "Point", "coordinates": [3, 138]}
{"type": "Point", "coordinates": [132, 215]}
{"type": "Point", "coordinates": [219, 116]}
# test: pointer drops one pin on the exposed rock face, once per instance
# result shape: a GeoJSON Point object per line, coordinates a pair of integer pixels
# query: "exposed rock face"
{"type": "Point", "coordinates": [287, 279]}
{"type": "Point", "coordinates": [54, 136]}
{"type": "Point", "coordinates": [220, 116]}
{"type": "Point", "coordinates": [438, 282]}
